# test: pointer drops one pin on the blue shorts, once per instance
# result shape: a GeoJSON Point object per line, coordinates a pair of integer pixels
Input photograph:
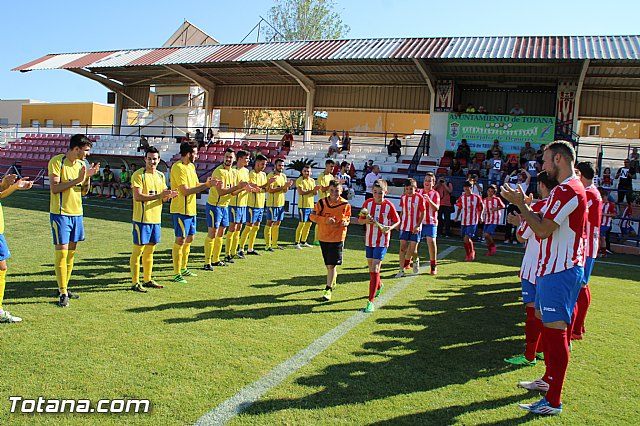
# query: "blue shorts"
{"type": "Point", "coordinates": [376, 252]}
{"type": "Point", "coordinates": [4, 248]}
{"type": "Point", "coordinates": [429, 231]}
{"type": "Point", "coordinates": [183, 225]}
{"type": "Point", "coordinates": [490, 228]}
{"type": "Point", "coordinates": [528, 292]}
{"type": "Point", "coordinates": [468, 230]}
{"type": "Point", "coordinates": [604, 230]}
{"type": "Point", "coordinates": [66, 229]}
{"type": "Point", "coordinates": [255, 214]}
{"type": "Point", "coordinates": [588, 268]}
{"type": "Point", "coordinates": [409, 236]}
{"type": "Point", "coordinates": [559, 293]}
{"type": "Point", "coordinates": [238, 214]}
{"type": "Point", "coordinates": [146, 233]}
{"type": "Point", "coordinates": [303, 214]}
{"type": "Point", "coordinates": [217, 216]}
{"type": "Point", "coordinates": [275, 214]}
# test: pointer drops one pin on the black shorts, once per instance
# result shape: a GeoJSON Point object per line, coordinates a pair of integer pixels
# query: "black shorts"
{"type": "Point", "coordinates": [332, 252]}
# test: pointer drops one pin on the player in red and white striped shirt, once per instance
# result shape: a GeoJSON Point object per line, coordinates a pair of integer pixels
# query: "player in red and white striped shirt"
{"type": "Point", "coordinates": [524, 234]}
{"type": "Point", "coordinates": [469, 212]}
{"type": "Point", "coordinates": [609, 211]}
{"type": "Point", "coordinates": [430, 225]}
{"type": "Point", "coordinates": [561, 229]}
{"type": "Point", "coordinates": [413, 214]}
{"type": "Point", "coordinates": [492, 217]}
{"type": "Point", "coordinates": [376, 240]}
{"type": "Point", "coordinates": [594, 220]}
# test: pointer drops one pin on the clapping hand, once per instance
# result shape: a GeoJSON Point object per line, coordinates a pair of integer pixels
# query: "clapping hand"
{"type": "Point", "coordinates": [23, 184]}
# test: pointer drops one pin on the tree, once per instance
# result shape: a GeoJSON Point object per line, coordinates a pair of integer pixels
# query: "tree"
{"type": "Point", "coordinates": [305, 20]}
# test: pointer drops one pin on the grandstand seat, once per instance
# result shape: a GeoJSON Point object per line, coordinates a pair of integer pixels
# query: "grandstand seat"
{"type": "Point", "coordinates": [262, 144]}
{"type": "Point", "coordinates": [237, 144]}
{"type": "Point", "coordinates": [480, 156]}
{"type": "Point", "coordinates": [463, 162]}
{"type": "Point", "coordinates": [253, 144]}
{"type": "Point", "coordinates": [445, 161]}
{"type": "Point", "coordinates": [272, 145]}
{"type": "Point", "coordinates": [228, 143]}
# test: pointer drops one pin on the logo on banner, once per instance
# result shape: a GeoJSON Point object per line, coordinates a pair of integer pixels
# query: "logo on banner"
{"type": "Point", "coordinates": [452, 145]}
{"type": "Point", "coordinates": [454, 130]}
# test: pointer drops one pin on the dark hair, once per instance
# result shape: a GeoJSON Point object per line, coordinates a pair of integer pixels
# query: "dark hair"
{"type": "Point", "coordinates": [241, 154]}
{"type": "Point", "coordinates": [381, 183]}
{"type": "Point", "coordinates": [187, 147]}
{"type": "Point", "coordinates": [467, 184]}
{"type": "Point", "coordinates": [279, 160]}
{"type": "Point", "coordinates": [335, 184]}
{"type": "Point", "coordinates": [344, 163]}
{"type": "Point", "coordinates": [410, 182]}
{"type": "Point", "coordinates": [260, 157]}
{"type": "Point", "coordinates": [565, 149]}
{"type": "Point", "coordinates": [329, 161]}
{"type": "Point", "coordinates": [151, 150]}
{"type": "Point", "coordinates": [307, 166]}
{"type": "Point", "coordinates": [549, 183]}
{"type": "Point", "coordinates": [493, 186]}
{"type": "Point", "coordinates": [586, 169]}
{"type": "Point", "coordinates": [229, 150]}
{"type": "Point", "coordinates": [80, 141]}
{"type": "Point", "coordinates": [430, 174]}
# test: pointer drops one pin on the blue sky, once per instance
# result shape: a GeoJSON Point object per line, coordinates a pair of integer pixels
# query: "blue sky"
{"type": "Point", "coordinates": [77, 26]}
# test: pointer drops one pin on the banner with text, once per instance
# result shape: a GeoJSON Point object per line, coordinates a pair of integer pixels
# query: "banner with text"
{"type": "Point", "coordinates": [480, 130]}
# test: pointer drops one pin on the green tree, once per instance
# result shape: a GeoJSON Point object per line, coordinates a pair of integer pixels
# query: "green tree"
{"type": "Point", "coordinates": [305, 20]}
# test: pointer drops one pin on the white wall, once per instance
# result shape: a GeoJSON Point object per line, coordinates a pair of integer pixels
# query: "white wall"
{"type": "Point", "coordinates": [439, 131]}
{"type": "Point", "coordinates": [12, 110]}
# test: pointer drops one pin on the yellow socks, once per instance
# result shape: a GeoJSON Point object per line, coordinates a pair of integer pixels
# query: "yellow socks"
{"type": "Point", "coordinates": [134, 263]}
{"type": "Point", "coordinates": [186, 249]}
{"type": "Point", "coordinates": [305, 232]}
{"type": "Point", "coordinates": [176, 256]}
{"type": "Point", "coordinates": [208, 249]}
{"type": "Point", "coordinates": [3, 279]}
{"type": "Point", "coordinates": [217, 249]}
{"type": "Point", "coordinates": [252, 237]}
{"type": "Point", "coordinates": [147, 262]}
{"type": "Point", "coordinates": [267, 236]}
{"type": "Point", "coordinates": [299, 229]}
{"type": "Point", "coordinates": [60, 266]}
{"type": "Point", "coordinates": [244, 236]}
{"type": "Point", "coordinates": [275, 232]}
{"type": "Point", "coordinates": [71, 254]}
{"type": "Point", "coordinates": [235, 241]}
{"type": "Point", "coordinates": [228, 243]}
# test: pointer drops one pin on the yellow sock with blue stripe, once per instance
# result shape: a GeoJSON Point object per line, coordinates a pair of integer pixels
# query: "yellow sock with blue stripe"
{"type": "Point", "coordinates": [275, 233]}
{"type": "Point", "coordinates": [208, 249]}
{"type": "Point", "coordinates": [134, 263]}
{"type": "Point", "coordinates": [71, 254]}
{"type": "Point", "coordinates": [217, 249]}
{"type": "Point", "coordinates": [305, 231]}
{"type": "Point", "coordinates": [186, 249]}
{"type": "Point", "coordinates": [267, 236]}
{"type": "Point", "coordinates": [245, 236]}
{"type": "Point", "coordinates": [3, 280]}
{"type": "Point", "coordinates": [147, 262]}
{"type": "Point", "coordinates": [252, 237]}
{"type": "Point", "coordinates": [299, 232]}
{"type": "Point", "coordinates": [176, 256]}
{"type": "Point", "coordinates": [60, 266]}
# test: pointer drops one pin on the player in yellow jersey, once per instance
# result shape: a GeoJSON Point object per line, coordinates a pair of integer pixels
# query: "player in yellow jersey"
{"type": "Point", "coordinates": [218, 209]}
{"type": "Point", "coordinates": [184, 179]}
{"type": "Point", "coordinates": [276, 191]}
{"type": "Point", "coordinates": [149, 188]}
{"type": "Point", "coordinates": [238, 207]}
{"type": "Point", "coordinates": [255, 205]}
{"type": "Point", "coordinates": [68, 182]}
{"type": "Point", "coordinates": [9, 184]}
{"type": "Point", "coordinates": [324, 179]}
{"type": "Point", "coordinates": [307, 189]}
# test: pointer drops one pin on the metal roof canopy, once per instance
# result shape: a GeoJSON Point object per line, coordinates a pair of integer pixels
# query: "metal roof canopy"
{"type": "Point", "coordinates": [351, 74]}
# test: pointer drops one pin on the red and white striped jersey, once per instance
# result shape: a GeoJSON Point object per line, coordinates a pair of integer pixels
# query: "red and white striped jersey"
{"type": "Point", "coordinates": [469, 209]}
{"type": "Point", "coordinates": [564, 248]}
{"type": "Point", "coordinates": [608, 207]}
{"type": "Point", "coordinates": [532, 248]}
{"type": "Point", "coordinates": [384, 213]}
{"type": "Point", "coordinates": [432, 214]}
{"type": "Point", "coordinates": [594, 218]}
{"type": "Point", "coordinates": [626, 213]}
{"type": "Point", "coordinates": [412, 207]}
{"type": "Point", "coordinates": [488, 215]}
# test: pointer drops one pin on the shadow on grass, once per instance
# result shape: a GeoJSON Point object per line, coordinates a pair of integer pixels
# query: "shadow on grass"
{"type": "Point", "coordinates": [441, 342]}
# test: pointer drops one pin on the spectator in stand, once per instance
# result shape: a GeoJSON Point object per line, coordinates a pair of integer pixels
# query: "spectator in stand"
{"type": "Point", "coordinates": [533, 167]}
{"type": "Point", "coordinates": [209, 136]}
{"type": "Point", "coordinates": [186, 138]}
{"type": "Point", "coordinates": [625, 176]}
{"type": "Point", "coordinates": [287, 139]}
{"type": "Point", "coordinates": [143, 145]}
{"type": "Point", "coordinates": [370, 179]}
{"type": "Point", "coordinates": [607, 182]}
{"type": "Point", "coordinates": [455, 169]}
{"type": "Point", "coordinates": [334, 144]}
{"type": "Point", "coordinates": [344, 178]}
{"type": "Point", "coordinates": [395, 147]}
{"type": "Point", "coordinates": [482, 110]}
{"type": "Point", "coordinates": [513, 164]}
{"type": "Point", "coordinates": [346, 143]}
{"type": "Point", "coordinates": [625, 222]}
{"type": "Point", "coordinates": [199, 137]}
{"type": "Point", "coordinates": [470, 109]}
{"type": "Point", "coordinates": [444, 189]}
{"type": "Point", "coordinates": [609, 212]}
{"type": "Point", "coordinates": [108, 181]}
{"type": "Point", "coordinates": [463, 151]}
{"type": "Point", "coordinates": [495, 147]}
{"type": "Point", "coordinates": [124, 181]}
{"type": "Point", "coordinates": [368, 167]}
{"type": "Point", "coordinates": [475, 167]}
{"type": "Point", "coordinates": [635, 160]}
{"type": "Point", "coordinates": [517, 178]}
{"type": "Point", "coordinates": [527, 152]}
{"type": "Point", "coordinates": [499, 110]}
{"type": "Point", "coordinates": [517, 110]}
{"type": "Point", "coordinates": [495, 166]}
{"type": "Point", "coordinates": [459, 110]}
{"type": "Point", "coordinates": [539, 155]}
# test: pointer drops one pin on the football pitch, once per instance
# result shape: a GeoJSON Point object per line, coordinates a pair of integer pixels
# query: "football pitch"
{"type": "Point", "coordinates": [433, 354]}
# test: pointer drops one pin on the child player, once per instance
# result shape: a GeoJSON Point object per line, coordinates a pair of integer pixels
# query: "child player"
{"type": "Point", "coordinates": [413, 213]}
{"type": "Point", "coordinates": [381, 217]}
{"type": "Point", "coordinates": [332, 215]}
{"type": "Point", "coordinates": [609, 212]}
{"type": "Point", "coordinates": [430, 225]}
{"type": "Point", "coordinates": [469, 212]}
{"type": "Point", "coordinates": [492, 217]}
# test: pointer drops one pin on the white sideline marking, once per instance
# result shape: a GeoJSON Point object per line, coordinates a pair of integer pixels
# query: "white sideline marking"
{"type": "Point", "coordinates": [254, 391]}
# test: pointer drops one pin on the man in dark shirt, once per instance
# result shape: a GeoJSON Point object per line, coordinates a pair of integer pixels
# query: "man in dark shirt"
{"type": "Point", "coordinates": [394, 146]}
{"type": "Point", "coordinates": [625, 176]}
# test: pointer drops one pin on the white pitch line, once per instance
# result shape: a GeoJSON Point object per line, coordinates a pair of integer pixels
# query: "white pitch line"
{"type": "Point", "coordinates": [254, 391]}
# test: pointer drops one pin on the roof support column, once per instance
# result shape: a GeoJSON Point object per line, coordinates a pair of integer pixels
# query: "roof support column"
{"type": "Point", "coordinates": [117, 113]}
{"type": "Point", "coordinates": [583, 73]}
{"type": "Point", "coordinates": [209, 104]}
{"type": "Point", "coordinates": [308, 119]}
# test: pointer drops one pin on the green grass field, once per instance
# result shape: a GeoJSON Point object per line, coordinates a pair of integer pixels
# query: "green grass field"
{"type": "Point", "coordinates": [432, 355]}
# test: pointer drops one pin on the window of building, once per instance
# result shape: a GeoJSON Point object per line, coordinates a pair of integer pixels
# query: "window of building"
{"type": "Point", "coordinates": [593, 130]}
{"type": "Point", "coordinates": [172, 100]}
{"type": "Point", "coordinates": [4, 121]}
{"type": "Point", "coordinates": [35, 123]}
{"type": "Point", "coordinates": [179, 100]}
{"type": "Point", "coordinates": [48, 122]}
{"type": "Point", "coordinates": [75, 123]}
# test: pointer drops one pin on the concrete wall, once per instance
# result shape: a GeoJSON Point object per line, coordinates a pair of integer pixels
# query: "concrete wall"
{"type": "Point", "coordinates": [611, 129]}
{"type": "Point", "coordinates": [88, 113]}
{"type": "Point", "coordinates": [11, 110]}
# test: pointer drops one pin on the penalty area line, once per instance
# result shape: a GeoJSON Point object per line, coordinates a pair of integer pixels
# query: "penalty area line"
{"type": "Point", "coordinates": [254, 391]}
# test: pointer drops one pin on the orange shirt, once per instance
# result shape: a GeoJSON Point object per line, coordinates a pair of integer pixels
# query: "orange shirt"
{"type": "Point", "coordinates": [323, 210]}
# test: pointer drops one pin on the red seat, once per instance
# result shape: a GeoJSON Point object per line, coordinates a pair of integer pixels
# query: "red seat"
{"type": "Point", "coordinates": [441, 171]}
{"type": "Point", "coordinates": [262, 144]}
{"type": "Point", "coordinates": [480, 156]}
{"type": "Point", "coordinates": [253, 144]}
{"type": "Point", "coordinates": [445, 161]}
